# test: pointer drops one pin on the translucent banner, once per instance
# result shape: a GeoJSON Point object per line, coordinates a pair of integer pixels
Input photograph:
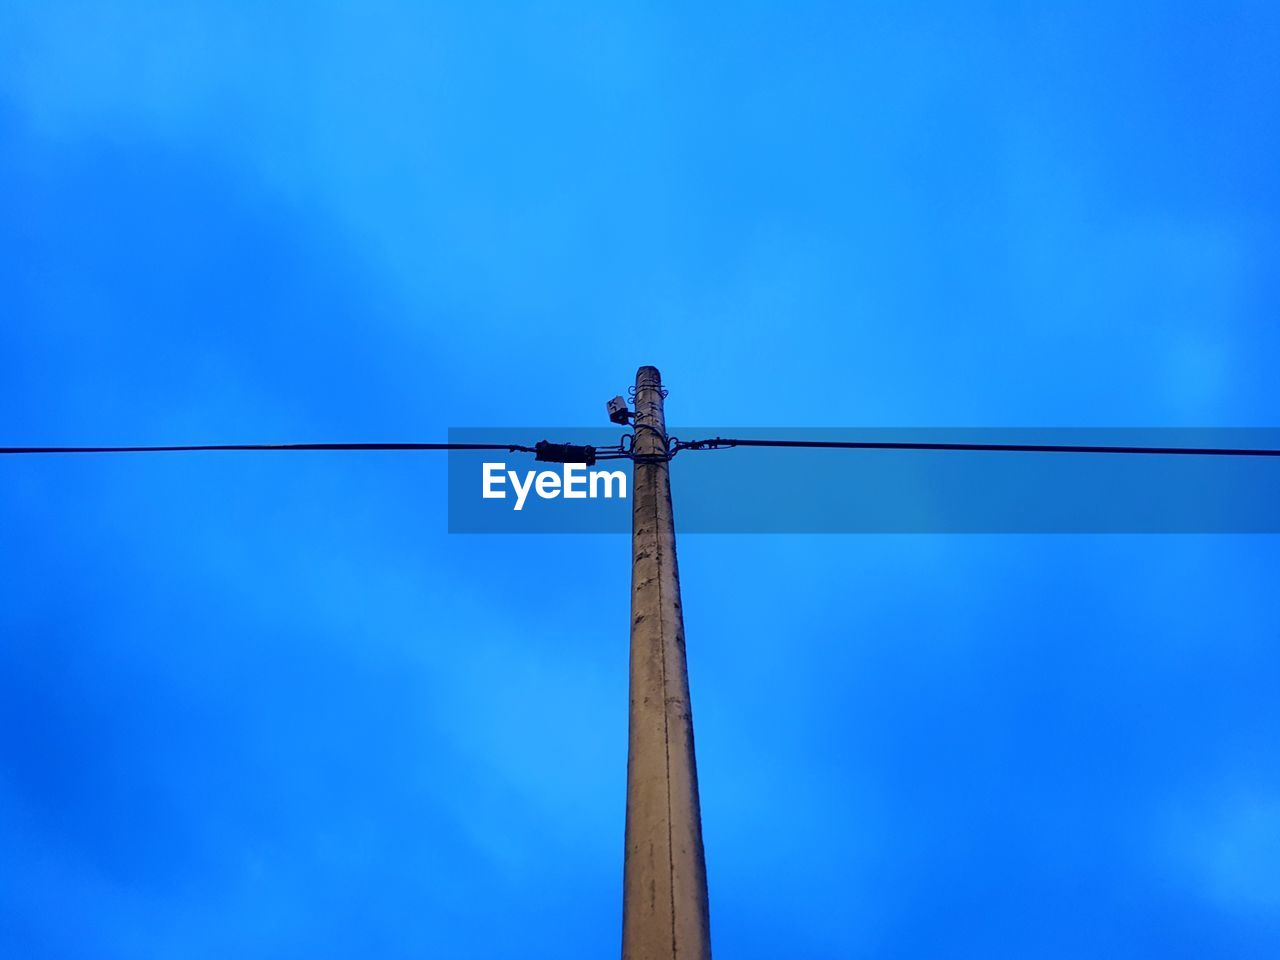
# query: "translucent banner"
{"type": "Point", "coordinates": [802, 490]}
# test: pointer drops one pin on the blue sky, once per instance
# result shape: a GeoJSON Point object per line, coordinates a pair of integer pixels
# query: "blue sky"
{"type": "Point", "coordinates": [267, 707]}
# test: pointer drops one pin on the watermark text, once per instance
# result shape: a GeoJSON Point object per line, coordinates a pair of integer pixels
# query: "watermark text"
{"type": "Point", "coordinates": [573, 482]}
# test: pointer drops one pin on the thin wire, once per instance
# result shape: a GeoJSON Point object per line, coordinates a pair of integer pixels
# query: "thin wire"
{"type": "Point", "coordinates": [510, 447]}
{"type": "Point", "coordinates": [721, 443]}
{"type": "Point", "coordinates": [715, 443]}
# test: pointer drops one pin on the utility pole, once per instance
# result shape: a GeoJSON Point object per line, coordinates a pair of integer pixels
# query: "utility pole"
{"type": "Point", "coordinates": [664, 889]}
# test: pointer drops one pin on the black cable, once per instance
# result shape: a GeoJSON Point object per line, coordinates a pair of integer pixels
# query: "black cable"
{"type": "Point", "coordinates": [715, 443]}
{"type": "Point", "coordinates": [510, 447]}
{"type": "Point", "coordinates": [721, 443]}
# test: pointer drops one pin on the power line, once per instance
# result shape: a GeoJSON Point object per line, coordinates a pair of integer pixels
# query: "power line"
{"type": "Point", "coordinates": [200, 448]}
{"type": "Point", "coordinates": [675, 446]}
{"type": "Point", "coordinates": [719, 443]}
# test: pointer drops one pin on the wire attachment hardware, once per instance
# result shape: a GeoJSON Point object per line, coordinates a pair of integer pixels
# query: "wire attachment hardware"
{"type": "Point", "coordinates": [549, 452]}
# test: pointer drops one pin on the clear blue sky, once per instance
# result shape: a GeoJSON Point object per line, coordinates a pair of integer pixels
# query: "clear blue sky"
{"type": "Point", "coordinates": [266, 707]}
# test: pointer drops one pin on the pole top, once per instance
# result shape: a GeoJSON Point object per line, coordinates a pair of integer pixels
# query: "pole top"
{"type": "Point", "coordinates": [648, 373]}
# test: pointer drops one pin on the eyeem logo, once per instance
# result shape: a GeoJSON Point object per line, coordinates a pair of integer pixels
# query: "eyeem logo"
{"type": "Point", "coordinates": [574, 483]}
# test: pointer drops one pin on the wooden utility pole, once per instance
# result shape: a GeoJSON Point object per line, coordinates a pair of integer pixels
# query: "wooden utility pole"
{"type": "Point", "coordinates": [664, 889]}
